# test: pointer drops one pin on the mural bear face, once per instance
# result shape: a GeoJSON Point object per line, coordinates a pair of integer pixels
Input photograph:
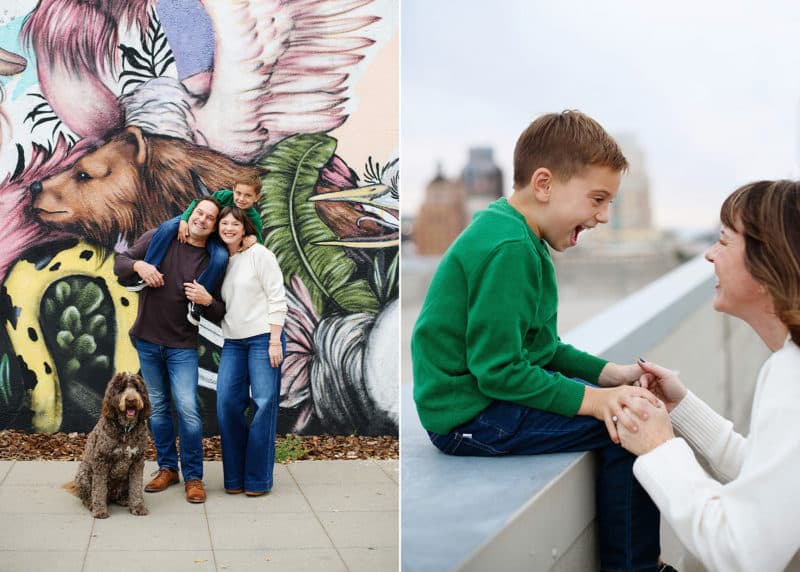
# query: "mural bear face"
{"type": "Point", "coordinates": [98, 194]}
{"type": "Point", "coordinates": [130, 184]}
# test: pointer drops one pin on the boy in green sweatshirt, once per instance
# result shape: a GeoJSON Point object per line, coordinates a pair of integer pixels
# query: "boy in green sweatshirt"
{"type": "Point", "coordinates": [491, 376]}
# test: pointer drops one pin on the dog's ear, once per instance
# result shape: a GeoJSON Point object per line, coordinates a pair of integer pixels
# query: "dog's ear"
{"type": "Point", "coordinates": [141, 386]}
{"type": "Point", "coordinates": [135, 137]}
{"type": "Point", "coordinates": [109, 400]}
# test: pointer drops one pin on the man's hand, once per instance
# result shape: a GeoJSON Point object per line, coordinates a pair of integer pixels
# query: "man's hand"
{"type": "Point", "coordinates": [249, 241]}
{"type": "Point", "coordinates": [183, 231]}
{"type": "Point", "coordinates": [196, 292]}
{"type": "Point", "coordinates": [149, 273]}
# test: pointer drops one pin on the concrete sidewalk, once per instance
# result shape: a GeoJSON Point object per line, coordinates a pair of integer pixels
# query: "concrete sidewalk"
{"type": "Point", "coordinates": [320, 515]}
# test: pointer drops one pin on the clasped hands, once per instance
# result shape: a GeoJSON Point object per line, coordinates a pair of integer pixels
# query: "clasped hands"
{"type": "Point", "coordinates": [636, 405]}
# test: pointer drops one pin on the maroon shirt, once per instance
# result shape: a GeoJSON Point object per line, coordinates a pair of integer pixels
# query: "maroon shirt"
{"type": "Point", "coordinates": [161, 318]}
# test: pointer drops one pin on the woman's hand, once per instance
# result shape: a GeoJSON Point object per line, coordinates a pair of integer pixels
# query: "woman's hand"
{"type": "Point", "coordinates": [652, 432]}
{"type": "Point", "coordinates": [607, 405]}
{"type": "Point", "coordinates": [664, 383]}
{"type": "Point", "coordinates": [275, 354]}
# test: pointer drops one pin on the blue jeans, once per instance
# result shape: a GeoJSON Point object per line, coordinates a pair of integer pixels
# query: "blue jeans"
{"type": "Point", "coordinates": [628, 521]}
{"type": "Point", "coordinates": [171, 376]}
{"type": "Point", "coordinates": [211, 277]}
{"type": "Point", "coordinates": [248, 451]}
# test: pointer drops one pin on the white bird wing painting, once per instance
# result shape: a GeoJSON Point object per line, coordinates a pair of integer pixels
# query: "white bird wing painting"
{"type": "Point", "coordinates": [281, 67]}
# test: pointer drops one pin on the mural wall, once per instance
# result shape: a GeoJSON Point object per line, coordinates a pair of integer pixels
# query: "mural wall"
{"type": "Point", "coordinates": [110, 113]}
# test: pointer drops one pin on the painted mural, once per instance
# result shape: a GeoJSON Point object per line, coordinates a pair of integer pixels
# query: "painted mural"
{"type": "Point", "coordinates": [115, 115]}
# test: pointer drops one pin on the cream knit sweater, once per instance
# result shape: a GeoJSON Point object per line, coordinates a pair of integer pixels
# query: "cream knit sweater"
{"type": "Point", "coordinates": [745, 518]}
{"type": "Point", "coordinates": [253, 293]}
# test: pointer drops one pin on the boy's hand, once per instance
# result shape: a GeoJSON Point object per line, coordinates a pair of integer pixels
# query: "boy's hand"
{"type": "Point", "coordinates": [183, 231]}
{"type": "Point", "coordinates": [664, 383]}
{"type": "Point", "coordinates": [655, 431]}
{"type": "Point", "coordinates": [607, 405]}
{"type": "Point", "coordinates": [614, 374]}
{"type": "Point", "coordinates": [249, 241]}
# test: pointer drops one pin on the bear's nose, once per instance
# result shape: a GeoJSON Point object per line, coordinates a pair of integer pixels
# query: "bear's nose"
{"type": "Point", "coordinates": [36, 187]}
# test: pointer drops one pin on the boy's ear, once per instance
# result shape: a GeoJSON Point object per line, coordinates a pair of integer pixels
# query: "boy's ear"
{"type": "Point", "coordinates": [540, 183]}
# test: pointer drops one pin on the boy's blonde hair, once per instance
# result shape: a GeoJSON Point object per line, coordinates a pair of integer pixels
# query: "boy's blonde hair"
{"type": "Point", "coordinates": [252, 178]}
{"type": "Point", "coordinates": [566, 143]}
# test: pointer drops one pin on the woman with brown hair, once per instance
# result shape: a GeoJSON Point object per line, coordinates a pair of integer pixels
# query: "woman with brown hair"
{"type": "Point", "coordinates": [741, 518]}
{"type": "Point", "coordinates": [249, 365]}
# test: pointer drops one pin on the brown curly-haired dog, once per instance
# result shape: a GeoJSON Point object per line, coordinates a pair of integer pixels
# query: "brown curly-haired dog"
{"type": "Point", "coordinates": [113, 461]}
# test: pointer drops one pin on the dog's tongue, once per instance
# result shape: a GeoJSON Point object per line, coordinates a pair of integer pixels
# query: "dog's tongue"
{"type": "Point", "coordinates": [131, 412]}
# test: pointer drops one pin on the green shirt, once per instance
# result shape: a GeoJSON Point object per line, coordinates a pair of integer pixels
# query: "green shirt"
{"type": "Point", "coordinates": [487, 328]}
{"type": "Point", "coordinates": [225, 198]}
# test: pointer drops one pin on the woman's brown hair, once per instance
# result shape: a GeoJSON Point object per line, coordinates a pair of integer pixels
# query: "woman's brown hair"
{"type": "Point", "coordinates": [767, 213]}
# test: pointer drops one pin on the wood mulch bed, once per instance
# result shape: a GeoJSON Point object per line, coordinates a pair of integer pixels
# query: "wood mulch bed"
{"type": "Point", "coordinates": [20, 446]}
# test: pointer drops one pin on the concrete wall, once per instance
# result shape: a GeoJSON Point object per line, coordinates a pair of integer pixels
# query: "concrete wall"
{"type": "Point", "coordinates": [318, 107]}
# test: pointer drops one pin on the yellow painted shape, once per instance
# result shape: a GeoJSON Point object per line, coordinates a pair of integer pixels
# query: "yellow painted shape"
{"type": "Point", "coordinates": [26, 286]}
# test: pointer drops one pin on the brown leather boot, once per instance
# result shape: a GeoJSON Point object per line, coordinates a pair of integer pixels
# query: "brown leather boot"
{"type": "Point", "coordinates": [163, 479]}
{"type": "Point", "coordinates": [195, 491]}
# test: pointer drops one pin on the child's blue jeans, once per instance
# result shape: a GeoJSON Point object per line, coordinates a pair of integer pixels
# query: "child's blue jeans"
{"type": "Point", "coordinates": [167, 232]}
{"type": "Point", "coordinates": [628, 521]}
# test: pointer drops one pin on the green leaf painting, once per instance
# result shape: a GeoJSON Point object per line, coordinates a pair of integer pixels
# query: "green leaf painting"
{"type": "Point", "coordinates": [293, 228]}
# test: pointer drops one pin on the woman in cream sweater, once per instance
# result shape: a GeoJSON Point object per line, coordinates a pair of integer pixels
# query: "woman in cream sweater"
{"type": "Point", "coordinates": [254, 347]}
{"type": "Point", "coordinates": [742, 517]}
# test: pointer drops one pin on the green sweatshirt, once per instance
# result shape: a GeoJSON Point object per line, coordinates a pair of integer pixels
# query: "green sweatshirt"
{"type": "Point", "coordinates": [487, 328]}
{"type": "Point", "coordinates": [225, 198]}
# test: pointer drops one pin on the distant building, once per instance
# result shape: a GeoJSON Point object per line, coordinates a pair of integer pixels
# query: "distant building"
{"type": "Point", "coordinates": [442, 216]}
{"type": "Point", "coordinates": [449, 204]}
{"type": "Point", "coordinates": [482, 179]}
{"type": "Point", "coordinates": [631, 217]}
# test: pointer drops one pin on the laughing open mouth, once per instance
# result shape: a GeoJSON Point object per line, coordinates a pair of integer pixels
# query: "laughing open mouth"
{"type": "Point", "coordinates": [573, 237]}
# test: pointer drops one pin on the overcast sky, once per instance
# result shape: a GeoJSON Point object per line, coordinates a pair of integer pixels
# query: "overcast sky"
{"type": "Point", "coordinates": [710, 90]}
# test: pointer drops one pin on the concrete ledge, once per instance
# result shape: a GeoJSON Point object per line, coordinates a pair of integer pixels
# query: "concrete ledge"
{"type": "Point", "coordinates": [454, 507]}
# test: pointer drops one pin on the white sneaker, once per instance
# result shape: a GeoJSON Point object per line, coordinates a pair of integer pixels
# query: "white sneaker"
{"type": "Point", "coordinates": [137, 286]}
{"type": "Point", "coordinates": [194, 314]}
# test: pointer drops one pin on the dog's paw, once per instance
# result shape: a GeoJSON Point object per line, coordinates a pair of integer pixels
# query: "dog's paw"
{"type": "Point", "coordinates": [100, 513]}
{"type": "Point", "coordinates": [139, 510]}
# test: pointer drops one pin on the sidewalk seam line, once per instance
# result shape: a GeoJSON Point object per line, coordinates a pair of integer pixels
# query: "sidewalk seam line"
{"type": "Point", "coordinates": [88, 545]}
{"type": "Point", "coordinates": [8, 472]}
{"type": "Point", "coordinates": [316, 516]}
{"type": "Point", "coordinates": [210, 539]}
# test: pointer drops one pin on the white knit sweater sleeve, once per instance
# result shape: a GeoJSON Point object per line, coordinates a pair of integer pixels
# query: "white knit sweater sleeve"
{"type": "Point", "coordinates": [710, 435]}
{"type": "Point", "coordinates": [271, 278]}
{"type": "Point", "coordinates": [746, 524]}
